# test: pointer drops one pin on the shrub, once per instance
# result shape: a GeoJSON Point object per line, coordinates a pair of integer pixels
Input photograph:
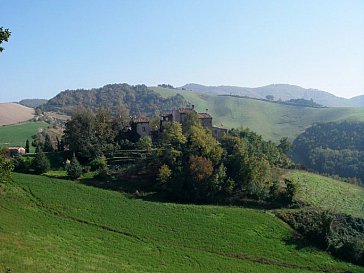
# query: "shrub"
{"type": "Point", "coordinates": [40, 163]}
{"type": "Point", "coordinates": [74, 169]}
{"type": "Point", "coordinates": [99, 165]}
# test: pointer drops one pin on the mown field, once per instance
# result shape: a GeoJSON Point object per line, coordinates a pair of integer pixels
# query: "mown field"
{"type": "Point", "coordinates": [271, 120]}
{"type": "Point", "coordinates": [17, 134]}
{"type": "Point", "coordinates": [329, 193]}
{"type": "Point", "coordinates": [52, 225]}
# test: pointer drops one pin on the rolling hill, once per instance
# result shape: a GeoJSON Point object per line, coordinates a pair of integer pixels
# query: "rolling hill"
{"type": "Point", "coordinates": [280, 91]}
{"type": "Point", "coordinates": [52, 225]}
{"type": "Point", "coordinates": [271, 120]}
{"type": "Point", "coordinates": [11, 113]}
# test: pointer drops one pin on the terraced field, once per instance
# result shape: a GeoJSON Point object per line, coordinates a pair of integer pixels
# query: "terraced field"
{"type": "Point", "coordinates": [52, 225]}
{"type": "Point", "coordinates": [271, 120]}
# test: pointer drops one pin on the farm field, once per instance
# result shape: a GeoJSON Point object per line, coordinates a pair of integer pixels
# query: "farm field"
{"type": "Point", "coordinates": [329, 193]}
{"type": "Point", "coordinates": [273, 121]}
{"type": "Point", "coordinates": [11, 113]}
{"type": "Point", "coordinates": [17, 134]}
{"type": "Point", "coordinates": [52, 225]}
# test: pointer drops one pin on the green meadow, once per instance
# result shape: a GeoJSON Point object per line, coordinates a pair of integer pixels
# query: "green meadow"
{"type": "Point", "coordinates": [53, 225]}
{"type": "Point", "coordinates": [17, 134]}
{"type": "Point", "coordinates": [329, 193]}
{"type": "Point", "coordinates": [271, 120]}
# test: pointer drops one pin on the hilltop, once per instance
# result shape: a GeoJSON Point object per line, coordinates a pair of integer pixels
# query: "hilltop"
{"type": "Point", "coordinates": [280, 91]}
{"type": "Point", "coordinates": [11, 113]}
{"type": "Point", "coordinates": [139, 100]}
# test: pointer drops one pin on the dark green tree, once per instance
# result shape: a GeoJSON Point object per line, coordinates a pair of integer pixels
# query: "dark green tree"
{"type": "Point", "coordinates": [74, 169]}
{"type": "Point", "coordinates": [6, 167]}
{"type": "Point", "coordinates": [40, 163]}
{"type": "Point", "coordinates": [27, 149]}
{"type": "Point", "coordinates": [4, 36]}
{"type": "Point", "coordinates": [47, 147]}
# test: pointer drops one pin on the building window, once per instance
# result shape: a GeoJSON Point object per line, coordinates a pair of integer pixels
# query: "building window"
{"type": "Point", "coordinates": [143, 129]}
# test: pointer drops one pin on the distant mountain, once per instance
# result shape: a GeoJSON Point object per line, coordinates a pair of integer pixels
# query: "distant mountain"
{"type": "Point", "coordinates": [280, 91]}
{"type": "Point", "coordinates": [138, 99]}
{"type": "Point", "coordinates": [33, 103]}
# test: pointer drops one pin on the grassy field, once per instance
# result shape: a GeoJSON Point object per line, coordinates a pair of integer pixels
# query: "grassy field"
{"type": "Point", "coordinates": [329, 193]}
{"type": "Point", "coordinates": [52, 225]}
{"type": "Point", "coordinates": [271, 120]}
{"type": "Point", "coordinates": [17, 134]}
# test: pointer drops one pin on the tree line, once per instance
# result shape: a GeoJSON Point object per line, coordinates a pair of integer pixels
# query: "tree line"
{"type": "Point", "coordinates": [333, 148]}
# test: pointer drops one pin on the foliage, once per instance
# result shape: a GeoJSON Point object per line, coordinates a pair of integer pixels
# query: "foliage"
{"type": "Point", "coordinates": [27, 148]}
{"type": "Point", "coordinates": [164, 174]}
{"type": "Point", "coordinates": [303, 102]}
{"type": "Point", "coordinates": [99, 165]}
{"type": "Point", "coordinates": [343, 235]}
{"type": "Point", "coordinates": [79, 135]}
{"type": "Point", "coordinates": [139, 100]}
{"type": "Point", "coordinates": [40, 163]}
{"type": "Point", "coordinates": [6, 167]}
{"type": "Point", "coordinates": [172, 135]}
{"type": "Point", "coordinates": [74, 169]}
{"type": "Point", "coordinates": [333, 148]}
{"type": "Point", "coordinates": [145, 143]}
{"type": "Point", "coordinates": [4, 36]}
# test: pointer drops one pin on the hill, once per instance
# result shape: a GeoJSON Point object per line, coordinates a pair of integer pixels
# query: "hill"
{"type": "Point", "coordinates": [11, 113]}
{"type": "Point", "coordinates": [280, 91]}
{"type": "Point", "coordinates": [329, 193]}
{"type": "Point", "coordinates": [139, 100]}
{"type": "Point", "coordinates": [33, 103]}
{"type": "Point", "coordinates": [271, 120]}
{"type": "Point", "coordinates": [50, 225]}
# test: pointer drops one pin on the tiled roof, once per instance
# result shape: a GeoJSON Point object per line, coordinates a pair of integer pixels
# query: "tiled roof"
{"type": "Point", "coordinates": [140, 120]}
{"type": "Point", "coordinates": [203, 115]}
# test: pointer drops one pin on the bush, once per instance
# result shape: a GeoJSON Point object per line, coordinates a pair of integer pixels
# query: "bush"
{"type": "Point", "coordinates": [342, 235]}
{"type": "Point", "coordinates": [74, 169]}
{"type": "Point", "coordinates": [100, 166]}
{"type": "Point", "coordinates": [40, 163]}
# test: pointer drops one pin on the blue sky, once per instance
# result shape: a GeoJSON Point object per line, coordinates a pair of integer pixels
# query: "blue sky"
{"type": "Point", "coordinates": [68, 44]}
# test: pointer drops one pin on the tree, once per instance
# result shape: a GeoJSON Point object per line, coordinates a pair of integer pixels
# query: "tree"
{"type": "Point", "coordinates": [79, 135]}
{"type": "Point", "coordinates": [74, 169]}
{"type": "Point", "coordinates": [40, 163]}
{"type": "Point", "coordinates": [285, 145]}
{"type": "Point", "coordinates": [27, 149]}
{"type": "Point", "coordinates": [4, 36]}
{"type": "Point", "coordinates": [6, 167]}
{"type": "Point", "coordinates": [269, 97]}
{"type": "Point", "coordinates": [47, 147]}
{"type": "Point", "coordinates": [164, 174]}
{"type": "Point", "coordinates": [103, 129]}
{"type": "Point", "coordinates": [145, 143]}
{"type": "Point", "coordinates": [172, 134]}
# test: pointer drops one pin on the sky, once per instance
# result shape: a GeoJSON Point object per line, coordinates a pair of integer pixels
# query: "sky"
{"type": "Point", "coordinates": [66, 44]}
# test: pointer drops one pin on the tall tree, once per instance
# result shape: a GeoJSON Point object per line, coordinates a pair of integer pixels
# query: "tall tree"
{"type": "Point", "coordinates": [80, 135]}
{"type": "Point", "coordinates": [27, 149]}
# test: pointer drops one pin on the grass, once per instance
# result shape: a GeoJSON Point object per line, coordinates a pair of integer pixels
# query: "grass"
{"type": "Point", "coordinates": [17, 134]}
{"type": "Point", "coordinates": [53, 225]}
{"type": "Point", "coordinates": [271, 120]}
{"type": "Point", "coordinates": [329, 193]}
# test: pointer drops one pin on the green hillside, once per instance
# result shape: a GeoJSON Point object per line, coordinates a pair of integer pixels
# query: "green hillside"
{"type": "Point", "coordinates": [329, 193]}
{"type": "Point", "coordinates": [50, 225]}
{"type": "Point", "coordinates": [17, 134]}
{"type": "Point", "coordinates": [271, 120]}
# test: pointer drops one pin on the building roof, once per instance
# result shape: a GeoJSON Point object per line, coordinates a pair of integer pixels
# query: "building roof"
{"type": "Point", "coordinates": [140, 120]}
{"type": "Point", "coordinates": [203, 115]}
